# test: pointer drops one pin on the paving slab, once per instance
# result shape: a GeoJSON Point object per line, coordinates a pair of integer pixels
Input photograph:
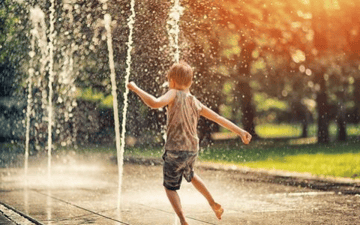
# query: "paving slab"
{"type": "Point", "coordinates": [5, 221]}
{"type": "Point", "coordinates": [86, 192]}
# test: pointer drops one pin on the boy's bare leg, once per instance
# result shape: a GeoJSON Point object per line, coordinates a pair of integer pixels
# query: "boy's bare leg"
{"type": "Point", "coordinates": [200, 186]}
{"type": "Point", "coordinates": [176, 204]}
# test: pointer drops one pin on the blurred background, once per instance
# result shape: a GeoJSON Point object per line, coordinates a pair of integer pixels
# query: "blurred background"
{"type": "Point", "coordinates": [286, 71]}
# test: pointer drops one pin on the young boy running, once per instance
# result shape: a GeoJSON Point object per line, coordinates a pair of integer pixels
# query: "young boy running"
{"type": "Point", "coordinates": [182, 144]}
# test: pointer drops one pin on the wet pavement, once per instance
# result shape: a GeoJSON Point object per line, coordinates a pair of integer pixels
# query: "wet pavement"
{"type": "Point", "coordinates": [4, 220]}
{"type": "Point", "coordinates": [86, 192]}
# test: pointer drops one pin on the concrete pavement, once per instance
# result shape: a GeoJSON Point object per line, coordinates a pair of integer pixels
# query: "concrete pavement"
{"type": "Point", "coordinates": [86, 192]}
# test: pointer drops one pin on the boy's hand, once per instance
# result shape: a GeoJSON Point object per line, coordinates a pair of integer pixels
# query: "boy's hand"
{"type": "Point", "coordinates": [246, 137]}
{"type": "Point", "coordinates": [132, 86]}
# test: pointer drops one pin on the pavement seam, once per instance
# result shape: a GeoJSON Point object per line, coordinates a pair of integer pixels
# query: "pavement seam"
{"type": "Point", "coordinates": [19, 214]}
{"type": "Point", "coordinates": [72, 204]}
{"type": "Point", "coordinates": [80, 216]}
{"type": "Point", "coordinates": [3, 217]}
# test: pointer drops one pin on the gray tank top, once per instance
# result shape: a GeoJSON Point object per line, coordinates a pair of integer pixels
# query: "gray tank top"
{"type": "Point", "coordinates": [182, 119]}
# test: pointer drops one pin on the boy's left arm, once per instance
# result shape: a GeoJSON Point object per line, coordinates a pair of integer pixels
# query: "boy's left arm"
{"type": "Point", "coordinates": [211, 115]}
{"type": "Point", "coordinates": [150, 100]}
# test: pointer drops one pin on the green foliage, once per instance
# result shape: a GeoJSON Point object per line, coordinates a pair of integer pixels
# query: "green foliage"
{"type": "Point", "coordinates": [107, 102]}
{"type": "Point", "coordinates": [93, 95]}
{"type": "Point", "coordinates": [265, 103]}
{"type": "Point", "coordinates": [90, 94]}
{"type": "Point", "coordinates": [270, 109]}
{"type": "Point", "coordinates": [13, 46]}
{"type": "Point", "coordinates": [214, 38]}
{"type": "Point", "coordinates": [8, 23]}
{"type": "Point", "coordinates": [231, 44]}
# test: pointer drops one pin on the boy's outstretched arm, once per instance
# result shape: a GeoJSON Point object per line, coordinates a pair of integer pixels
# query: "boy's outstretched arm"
{"type": "Point", "coordinates": [213, 116]}
{"type": "Point", "coordinates": [150, 100]}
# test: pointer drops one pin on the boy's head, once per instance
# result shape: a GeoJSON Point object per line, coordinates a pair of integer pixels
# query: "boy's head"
{"type": "Point", "coordinates": [181, 73]}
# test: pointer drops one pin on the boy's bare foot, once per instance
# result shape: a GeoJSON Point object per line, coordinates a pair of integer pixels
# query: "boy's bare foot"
{"type": "Point", "coordinates": [218, 210]}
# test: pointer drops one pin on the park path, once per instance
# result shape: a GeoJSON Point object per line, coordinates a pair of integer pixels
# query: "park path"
{"type": "Point", "coordinates": [86, 193]}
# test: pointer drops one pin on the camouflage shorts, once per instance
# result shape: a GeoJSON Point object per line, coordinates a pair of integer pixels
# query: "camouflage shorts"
{"type": "Point", "coordinates": [176, 165]}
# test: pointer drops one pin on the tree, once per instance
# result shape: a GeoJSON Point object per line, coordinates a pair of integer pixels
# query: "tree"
{"type": "Point", "coordinates": [349, 16]}
{"type": "Point", "coordinates": [244, 33]}
{"type": "Point", "coordinates": [13, 46]}
{"type": "Point", "coordinates": [319, 26]}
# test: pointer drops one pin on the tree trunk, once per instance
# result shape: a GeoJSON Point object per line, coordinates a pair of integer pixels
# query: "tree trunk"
{"type": "Point", "coordinates": [244, 90]}
{"type": "Point", "coordinates": [357, 99]}
{"type": "Point", "coordinates": [323, 121]}
{"type": "Point", "coordinates": [248, 111]}
{"type": "Point", "coordinates": [304, 133]}
{"type": "Point", "coordinates": [320, 28]}
{"type": "Point", "coordinates": [342, 136]}
{"type": "Point", "coordinates": [341, 114]}
{"type": "Point", "coordinates": [298, 110]}
{"type": "Point", "coordinates": [323, 111]}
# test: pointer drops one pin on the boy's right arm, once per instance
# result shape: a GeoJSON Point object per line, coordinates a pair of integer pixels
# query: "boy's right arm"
{"type": "Point", "coordinates": [211, 115]}
{"type": "Point", "coordinates": [150, 100]}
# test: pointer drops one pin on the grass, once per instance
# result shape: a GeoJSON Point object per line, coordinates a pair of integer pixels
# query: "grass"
{"type": "Point", "coordinates": [341, 159]}
{"type": "Point", "coordinates": [292, 131]}
{"type": "Point", "coordinates": [338, 165]}
{"type": "Point", "coordinates": [334, 159]}
{"type": "Point", "coordinates": [280, 150]}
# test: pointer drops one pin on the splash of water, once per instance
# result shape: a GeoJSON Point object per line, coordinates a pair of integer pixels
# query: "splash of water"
{"type": "Point", "coordinates": [173, 29]}
{"type": "Point", "coordinates": [29, 102]}
{"type": "Point", "coordinates": [107, 21]}
{"type": "Point", "coordinates": [51, 79]}
{"type": "Point", "coordinates": [131, 22]}
{"type": "Point", "coordinates": [38, 35]}
{"type": "Point", "coordinates": [66, 97]}
{"type": "Point", "coordinates": [39, 40]}
{"type": "Point", "coordinates": [173, 33]}
{"type": "Point", "coordinates": [68, 6]}
{"type": "Point", "coordinates": [49, 206]}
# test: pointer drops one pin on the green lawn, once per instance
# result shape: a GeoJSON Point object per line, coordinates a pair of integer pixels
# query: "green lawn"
{"type": "Point", "coordinates": [280, 150]}
{"type": "Point", "coordinates": [334, 159]}
{"type": "Point", "coordinates": [340, 165]}
{"type": "Point", "coordinates": [288, 130]}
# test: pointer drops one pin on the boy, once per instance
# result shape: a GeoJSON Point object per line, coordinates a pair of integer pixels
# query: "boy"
{"type": "Point", "coordinates": [182, 143]}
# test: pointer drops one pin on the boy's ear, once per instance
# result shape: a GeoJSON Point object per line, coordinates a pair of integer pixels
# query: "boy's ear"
{"type": "Point", "coordinates": [171, 82]}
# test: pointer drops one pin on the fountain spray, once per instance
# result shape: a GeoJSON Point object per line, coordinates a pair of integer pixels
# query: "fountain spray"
{"type": "Point", "coordinates": [120, 141]}
{"type": "Point", "coordinates": [107, 20]}
{"type": "Point", "coordinates": [51, 79]}
{"type": "Point", "coordinates": [173, 32]}
{"type": "Point", "coordinates": [173, 35]}
{"type": "Point", "coordinates": [131, 22]}
{"type": "Point", "coordinates": [29, 102]}
{"type": "Point", "coordinates": [173, 29]}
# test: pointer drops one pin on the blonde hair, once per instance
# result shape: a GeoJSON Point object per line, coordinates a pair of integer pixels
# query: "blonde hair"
{"type": "Point", "coordinates": [181, 73]}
